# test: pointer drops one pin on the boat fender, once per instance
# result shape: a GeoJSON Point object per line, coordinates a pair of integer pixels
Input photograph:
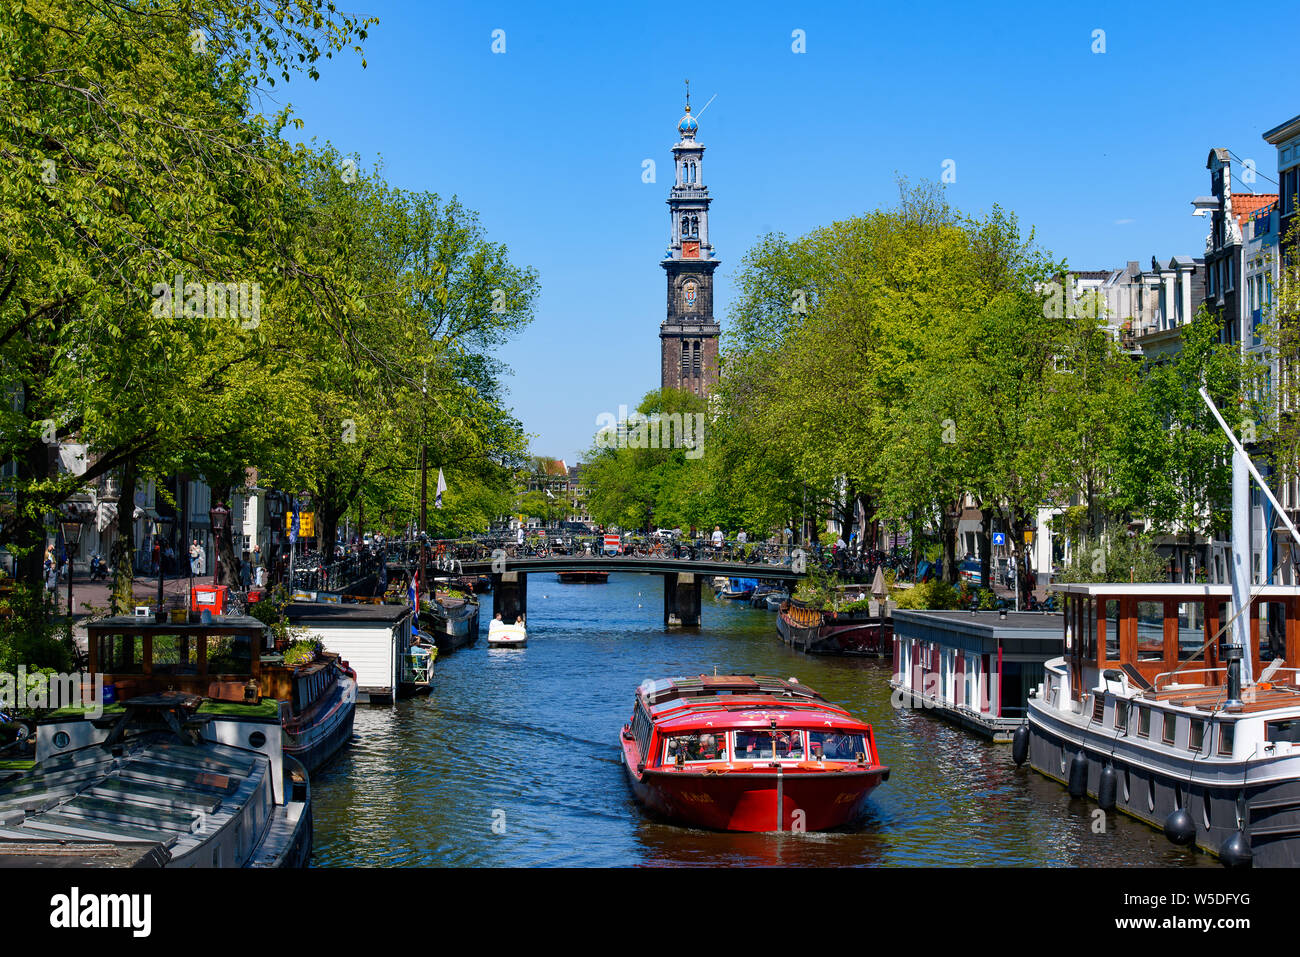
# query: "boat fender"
{"type": "Point", "coordinates": [1235, 851]}
{"type": "Point", "coordinates": [1020, 745]}
{"type": "Point", "coordinates": [1107, 788]}
{"type": "Point", "coordinates": [1179, 827]}
{"type": "Point", "coordinates": [1079, 775]}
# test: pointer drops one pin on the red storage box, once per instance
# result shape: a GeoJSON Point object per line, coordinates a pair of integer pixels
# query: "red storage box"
{"type": "Point", "coordinates": [213, 599]}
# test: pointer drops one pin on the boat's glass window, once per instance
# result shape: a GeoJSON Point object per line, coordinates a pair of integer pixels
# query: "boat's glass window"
{"type": "Point", "coordinates": [1227, 732]}
{"type": "Point", "coordinates": [1112, 630]}
{"type": "Point", "coordinates": [789, 744]}
{"type": "Point", "coordinates": [1191, 631]}
{"type": "Point", "coordinates": [175, 655]}
{"type": "Point", "coordinates": [1121, 715]}
{"type": "Point", "coordinates": [836, 745]}
{"type": "Point", "coordinates": [1090, 628]}
{"type": "Point", "coordinates": [699, 746]}
{"type": "Point", "coordinates": [1283, 732]}
{"type": "Point", "coordinates": [121, 654]}
{"type": "Point", "coordinates": [1150, 630]}
{"type": "Point", "coordinates": [1196, 739]}
{"type": "Point", "coordinates": [1144, 722]}
{"type": "Point", "coordinates": [1224, 629]}
{"type": "Point", "coordinates": [753, 745]}
{"type": "Point", "coordinates": [1272, 630]}
{"type": "Point", "coordinates": [1170, 726]}
{"type": "Point", "coordinates": [230, 655]}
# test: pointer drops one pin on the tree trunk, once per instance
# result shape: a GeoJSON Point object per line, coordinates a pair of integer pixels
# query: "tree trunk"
{"type": "Point", "coordinates": [227, 572]}
{"type": "Point", "coordinates": [122, 593]}
{"type": "Point", "coordinates": [948, 526]}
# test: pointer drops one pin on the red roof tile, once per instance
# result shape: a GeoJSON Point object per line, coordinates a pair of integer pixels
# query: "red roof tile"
{"type": "Point", "coordinates": [1246, 205]}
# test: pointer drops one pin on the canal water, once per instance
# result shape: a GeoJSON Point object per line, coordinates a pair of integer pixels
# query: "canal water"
{"type": "Point", "coordinates": [514, 759]}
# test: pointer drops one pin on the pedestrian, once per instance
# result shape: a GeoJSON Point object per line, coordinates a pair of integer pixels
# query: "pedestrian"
{"type": "Point", "coordinates": [195, 554]}
{"type": "Point", "coordinates": [245, 571]}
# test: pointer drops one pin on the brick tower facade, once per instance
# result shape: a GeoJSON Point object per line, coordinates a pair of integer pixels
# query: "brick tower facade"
{"type": "Point", "coordinates": [689, 335]}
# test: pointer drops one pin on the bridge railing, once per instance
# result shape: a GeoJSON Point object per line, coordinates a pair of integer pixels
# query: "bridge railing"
{"type": "Point", "coordinates": [450, 555]}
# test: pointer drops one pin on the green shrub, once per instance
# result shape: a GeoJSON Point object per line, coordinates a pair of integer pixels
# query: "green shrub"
{"type": "Point", "coordinates": [301, 652]}
{"type": "Point", "coordinates": [933, 595]}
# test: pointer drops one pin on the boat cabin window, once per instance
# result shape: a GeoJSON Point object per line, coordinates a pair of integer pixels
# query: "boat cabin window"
{"type": "Point", "coordinates": [1150, 631]}
{"type": "Point", "coordinates": [175, 655]}
{"type": "Point", "coordinates": [1112, 629]}
{"type": "Point", "coordinates": [698, 746]}
{"type": "Point", "coordinates": [1170, 726]}
{"type": "Point", "coordinates": [1144, 722]}
{"type": "Point", "coordinates": [1227, 732]}
{"type": "Point", "coordinates": [836, 745]}
{"type": "Point", "coordinates": [1121, 715]}
{"type": "Point", "coordinates": [1089, 629]}
{"type": "Point", "coordinates": [1272, 630]}
{"type": "Point", "coordinates": [1191, 630]}
{"type": "Point", "coordinates": [1283, 732]}
{"type": "Point", "coordinates": [230, 655]}
{"type": "Point", "coordinates": [789, 744]}
{"type": "Point", "coordinates": [753, 745]}
{"type": "Point", "coordinates": [1196, 738]}
{"type": "Point", "coordinates": [121, 654]}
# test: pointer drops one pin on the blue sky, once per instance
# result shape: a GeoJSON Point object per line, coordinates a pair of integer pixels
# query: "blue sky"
{"type": "Point", "coordinates": [1101, 153]}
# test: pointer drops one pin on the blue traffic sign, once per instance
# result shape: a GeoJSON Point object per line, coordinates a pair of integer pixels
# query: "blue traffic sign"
{"type": "Point", "coordinates": [999, 538]}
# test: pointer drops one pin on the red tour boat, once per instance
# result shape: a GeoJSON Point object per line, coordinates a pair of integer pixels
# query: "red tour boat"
{"type": "Point", "coordinates": [746, 753]}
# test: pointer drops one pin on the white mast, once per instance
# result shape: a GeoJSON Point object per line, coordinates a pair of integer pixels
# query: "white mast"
{"type": "Point", "coordinates": [1242, 469]}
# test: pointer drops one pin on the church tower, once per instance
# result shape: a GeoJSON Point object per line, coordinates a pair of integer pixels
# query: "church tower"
{"type": "Point", "coordinates": [689, 335]}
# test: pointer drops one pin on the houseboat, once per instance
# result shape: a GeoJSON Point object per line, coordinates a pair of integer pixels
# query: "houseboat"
{"type": "Point", "coordinates": [184, 757]}
{"type": "Point", "coordinates": [1145, 712]}
{"type": "Point", "coordinates": [976, 670]}
{"type": "Point", "coordinates": [746, 753]}
{"type": "Point", "coordinates": [376, 640]}
{"type": "Point", "coordinates": [1174, 703]}
{"type": "Point", "coordinates": [317, 708]}
{"type": "Point", "coordinates": [820, 631]}
{"type": "Point", "coordinates": [451, 619]}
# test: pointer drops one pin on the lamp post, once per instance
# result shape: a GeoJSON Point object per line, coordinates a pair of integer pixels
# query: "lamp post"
{"type": "Point", "coordinates": [275, 516]}
{"type": "Point", "coordinates": [219, 520]}
{"type": "Point", "coordinates": [71, 539]}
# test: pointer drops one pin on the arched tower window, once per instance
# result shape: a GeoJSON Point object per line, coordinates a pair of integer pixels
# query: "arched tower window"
{"type": "Point", "coordinates": [696, 363]}
{"type": "Point", "coordinates": [686, 226]}
{"type": "Point", "coordinates": [695, 225]}
{"type": "Point", "coordinates": [686, 360]}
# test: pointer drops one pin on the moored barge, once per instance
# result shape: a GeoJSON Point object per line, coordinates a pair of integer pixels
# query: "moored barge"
{"type": "Point", "coordinates": [819, 631]}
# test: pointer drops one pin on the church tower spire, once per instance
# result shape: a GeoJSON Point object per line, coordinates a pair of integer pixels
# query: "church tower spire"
{"type": "Point", "coordinates": [689, 335]}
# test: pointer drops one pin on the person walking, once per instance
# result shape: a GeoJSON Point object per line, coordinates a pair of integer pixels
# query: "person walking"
{"type": "Point", "coordinates": [195, 554]}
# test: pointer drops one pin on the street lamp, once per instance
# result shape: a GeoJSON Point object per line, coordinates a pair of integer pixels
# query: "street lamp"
{"type": "Point", "coordinates": [71, 539]}
{"type": "Point", "coordinates": [219, 520]}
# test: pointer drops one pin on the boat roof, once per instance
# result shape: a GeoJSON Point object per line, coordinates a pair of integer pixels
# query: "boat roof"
{"type": "Point", "coordinates": [739, 701]}
{"type": "Point", "coordinates": [1156, 590]}
{"type": "Point", "coordinates": [157, 793]}
{"type": "Point", "coordinates": [665, 689]}
{"type": "Point", "coordinates": [345, 614]}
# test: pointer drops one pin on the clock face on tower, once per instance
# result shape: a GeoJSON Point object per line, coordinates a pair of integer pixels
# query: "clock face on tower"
{"type": "Point", "coordinates": [691, 250]}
